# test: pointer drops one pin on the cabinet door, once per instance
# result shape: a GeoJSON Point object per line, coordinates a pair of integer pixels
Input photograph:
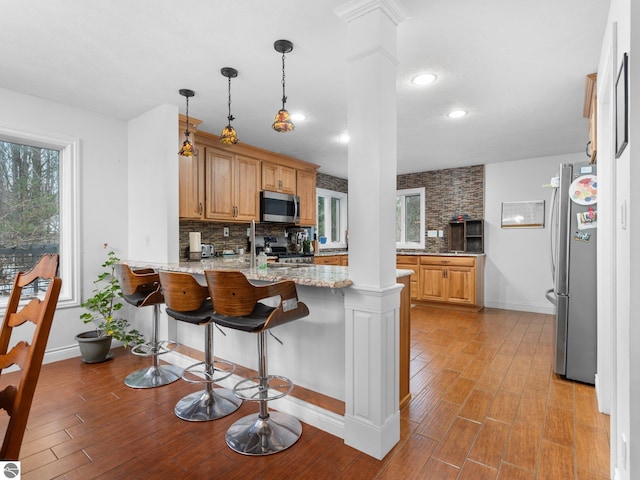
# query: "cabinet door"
{"type": "Point", "coordinates": [287, 180]}
{"type": "Point", "coordinates": [432, 283]}
{"type": "Point", "coordinates": [461, 285]}
{"type": "Point", "coordinates": [247, 185]}
{"type": "Point", "coordinates": [307, 193]}
{"type": "Point", "coordinates": [278, 178]}
{"type": "Point", "coordinates": [191, 185]}
{"type": "Point", "coordinates": [219, 185]}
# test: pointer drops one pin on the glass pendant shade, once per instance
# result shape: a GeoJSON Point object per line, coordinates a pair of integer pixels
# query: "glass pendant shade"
{"type": "Point", "coordinates": [187, 147]}
{"type": "Point", "coordinates": [229, 136]}
{"type": "Point", "coordinates": [282, 122]}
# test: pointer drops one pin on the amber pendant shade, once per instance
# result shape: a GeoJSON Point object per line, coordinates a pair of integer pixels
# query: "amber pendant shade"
{"type": "Point", "coordinates": [229, 136]}
{"type": "Point", "coordinates": [282, 122]}
{"type": "Point", "coordinates": [187, 149]}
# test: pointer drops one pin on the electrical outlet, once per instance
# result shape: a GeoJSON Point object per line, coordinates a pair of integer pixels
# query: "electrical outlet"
{"type": "Point", "coordinates": [225, 231]}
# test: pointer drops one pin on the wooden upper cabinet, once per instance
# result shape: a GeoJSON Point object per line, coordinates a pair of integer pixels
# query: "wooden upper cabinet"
{"type": "Point", "coordinates": [191, 185]}
{"type": "Point", "coordinates": [591, 112]}
{"type": "Point", "coordinates": [307, 192]}
{"type": "Point", "coordinates": [247, 188]}
{"type": "Point", "coordinates": [191, 175]}
{"type": "Point", "coordinates": [232, 186]}
{"type": "Point", "coordinates": [222, 183]}
{"type": "Point", "coordinates": [278, 178]}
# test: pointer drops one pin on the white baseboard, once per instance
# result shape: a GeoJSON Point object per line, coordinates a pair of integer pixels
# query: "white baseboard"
{"type": "Point", "coordinates": [521, 307]}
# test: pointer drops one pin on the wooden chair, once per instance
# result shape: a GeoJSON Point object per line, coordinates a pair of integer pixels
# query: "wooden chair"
{"type": "Point", "coordinates": [141, 288]}
{"type": "Point", "coordinates": [16, 400]}
{"type": "Point", "coordinates": [238, 305]}
{"type": "Point", "coordinates": [188, 301]}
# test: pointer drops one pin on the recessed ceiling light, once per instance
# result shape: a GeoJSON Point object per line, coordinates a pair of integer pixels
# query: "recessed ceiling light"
{"type": "Point", "coordinates": [297, 117]}
{"type": "Point", "coordinates": [424, 79]}
{"type": "Point", "coordinates": [343, 137]}
{"type": "Point", "coordinates": [457, 113]}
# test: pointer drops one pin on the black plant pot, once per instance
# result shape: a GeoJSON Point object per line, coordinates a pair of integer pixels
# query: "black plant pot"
{"type": "Point", "coordinates": [94, 348]}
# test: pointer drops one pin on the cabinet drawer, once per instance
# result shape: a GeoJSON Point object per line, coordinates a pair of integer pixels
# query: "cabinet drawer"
{"type": "Point", "coordinates": [454, 261]}
{"type": "Point", "coordinates": [407, 259]}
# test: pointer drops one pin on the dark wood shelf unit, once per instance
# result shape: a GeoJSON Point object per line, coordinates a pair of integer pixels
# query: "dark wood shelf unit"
{"type": "Point", "coordinates": [466, 236]}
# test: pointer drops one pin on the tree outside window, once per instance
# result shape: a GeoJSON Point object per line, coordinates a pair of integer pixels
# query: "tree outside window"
{"type": "Point", "coordinates": [410, 218]}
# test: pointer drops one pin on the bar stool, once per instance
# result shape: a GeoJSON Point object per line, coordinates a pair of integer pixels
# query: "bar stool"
{"type": "Point", "coordinates": [237, 304]}
{"type": "Point", "coordinates": [141, 288]}
{"type": "Point", "coordinates": [188, 301]}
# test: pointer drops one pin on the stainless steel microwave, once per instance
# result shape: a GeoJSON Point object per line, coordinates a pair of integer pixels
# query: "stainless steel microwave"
{"type": "Point", "coordinates": [279, 207]}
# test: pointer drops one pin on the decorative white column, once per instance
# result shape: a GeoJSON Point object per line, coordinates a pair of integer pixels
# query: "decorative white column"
{"type": "Point", "coordinates": [372, 304]}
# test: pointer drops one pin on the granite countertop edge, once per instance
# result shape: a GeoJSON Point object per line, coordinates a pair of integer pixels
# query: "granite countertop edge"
{"type": "Point", "coordinates": [323, 276]}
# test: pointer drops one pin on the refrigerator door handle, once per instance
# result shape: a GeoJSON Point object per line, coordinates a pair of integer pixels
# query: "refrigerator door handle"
{"type": "Point", "coordinates": [551, 296]}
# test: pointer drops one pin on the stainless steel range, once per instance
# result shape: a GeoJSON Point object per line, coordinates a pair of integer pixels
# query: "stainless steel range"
{"type": "Point", "coordinates": [280, 248]}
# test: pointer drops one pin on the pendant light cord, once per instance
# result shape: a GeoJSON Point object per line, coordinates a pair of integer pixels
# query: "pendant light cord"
{"type": "Point", "coordinates": [229, 117]}
{"type": "Point", "coordinates": [284, 97]}
{"type": "Point", "coordinates": [186, 132]}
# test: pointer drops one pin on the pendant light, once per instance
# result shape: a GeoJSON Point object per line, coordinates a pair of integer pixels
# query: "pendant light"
{"type": "Point", "coordinates": [229, 135]}
{"type": "Point", "coordinates": [282, 122]}
{"type": "Point", "coordinates": [187, 147]}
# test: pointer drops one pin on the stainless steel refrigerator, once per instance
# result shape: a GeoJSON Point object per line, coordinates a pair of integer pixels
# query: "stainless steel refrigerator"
{"type": "Point", "coordinates": [573, 228]}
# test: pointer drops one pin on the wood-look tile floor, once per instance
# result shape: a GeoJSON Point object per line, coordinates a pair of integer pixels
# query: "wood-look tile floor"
{"type": "Point", "coordinates": [485, 405]}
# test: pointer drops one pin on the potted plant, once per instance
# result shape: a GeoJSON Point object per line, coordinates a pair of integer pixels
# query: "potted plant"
{"type": "Point", "coordinates": [102, 309]}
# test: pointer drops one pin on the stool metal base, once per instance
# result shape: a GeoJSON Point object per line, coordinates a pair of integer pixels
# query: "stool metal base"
{"type": "Point", "coordinates": [207, 405]}
{"type": "Point", "coordinates": [252, 435]}
{"type": "Point", "coordinates": [154, 376]}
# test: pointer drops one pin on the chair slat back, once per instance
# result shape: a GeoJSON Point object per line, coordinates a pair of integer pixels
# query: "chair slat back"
{"type": "Point", "coordinates": [182, 292]}
{"type": "Point", "coordinates": [16, 400]}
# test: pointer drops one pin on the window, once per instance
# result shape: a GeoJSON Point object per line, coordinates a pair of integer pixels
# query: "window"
{"type": "Point", "coordinates": [38, 208]}
{"type": "Point", "coordinates": [332, 218]}
{"type": "Point", "coordinates": [410, 218]}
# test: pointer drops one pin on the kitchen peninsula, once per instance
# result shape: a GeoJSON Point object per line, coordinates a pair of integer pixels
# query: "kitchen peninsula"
{"type": "Point", "coordinates": [312, 353]}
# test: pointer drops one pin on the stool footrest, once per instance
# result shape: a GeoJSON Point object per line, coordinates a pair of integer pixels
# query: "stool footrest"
{"type": "Point", "coordinates": [151, 349]}
{"type": "Point", "coordinates": [199, 373]}
{"type": "Point", "coordinates": [257, 389]}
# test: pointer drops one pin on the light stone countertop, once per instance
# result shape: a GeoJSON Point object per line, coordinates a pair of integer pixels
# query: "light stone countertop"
{"type": "Point", "coordinates": [324, 276]}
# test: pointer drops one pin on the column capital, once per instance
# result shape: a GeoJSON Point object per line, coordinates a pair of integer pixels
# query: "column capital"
{"type": "Point", "coordinates": [357, 8]}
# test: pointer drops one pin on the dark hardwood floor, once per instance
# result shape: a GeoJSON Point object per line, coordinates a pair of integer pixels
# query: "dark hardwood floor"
{"type": "Point", "coordinates": [485, 405]}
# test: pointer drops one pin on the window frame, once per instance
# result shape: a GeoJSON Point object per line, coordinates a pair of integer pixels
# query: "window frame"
{"type": "Point", "coordinates": [403, 244]}
{"type": "Point", "coordinates": [68, 191]}
{"type": "Point", "coordinates": [328, 194]}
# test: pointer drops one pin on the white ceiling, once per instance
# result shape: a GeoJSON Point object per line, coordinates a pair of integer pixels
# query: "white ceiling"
{"type": "Point", "coordinates": [518, 67]}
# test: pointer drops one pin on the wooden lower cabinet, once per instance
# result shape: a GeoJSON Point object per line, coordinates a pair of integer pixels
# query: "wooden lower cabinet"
{"type": "Point", "coordinates": [448, 281]}
{"type": "Point", "coordinates": [338, 260]}
{"type": "Point", "coordinates": [410, 262]}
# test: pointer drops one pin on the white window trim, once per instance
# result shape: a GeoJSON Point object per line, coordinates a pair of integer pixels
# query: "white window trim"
{"type": "Point", "coordinates": [69, 189]}
{"type": "Point", "coordinates": [414, 245]}
{"type": "Point", "coordinates": [342, 242]}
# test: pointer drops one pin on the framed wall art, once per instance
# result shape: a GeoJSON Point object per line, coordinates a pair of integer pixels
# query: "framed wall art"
{"type": "Point", "coordinates": [622, 128]}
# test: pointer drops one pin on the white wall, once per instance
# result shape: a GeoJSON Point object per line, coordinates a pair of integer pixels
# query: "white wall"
{"type": "Point", "coordinates": [102, 196]}
{"type": "Point", "coordinates": [621, 302]}
{"type": "Point", "coordinates": [518, 270]}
